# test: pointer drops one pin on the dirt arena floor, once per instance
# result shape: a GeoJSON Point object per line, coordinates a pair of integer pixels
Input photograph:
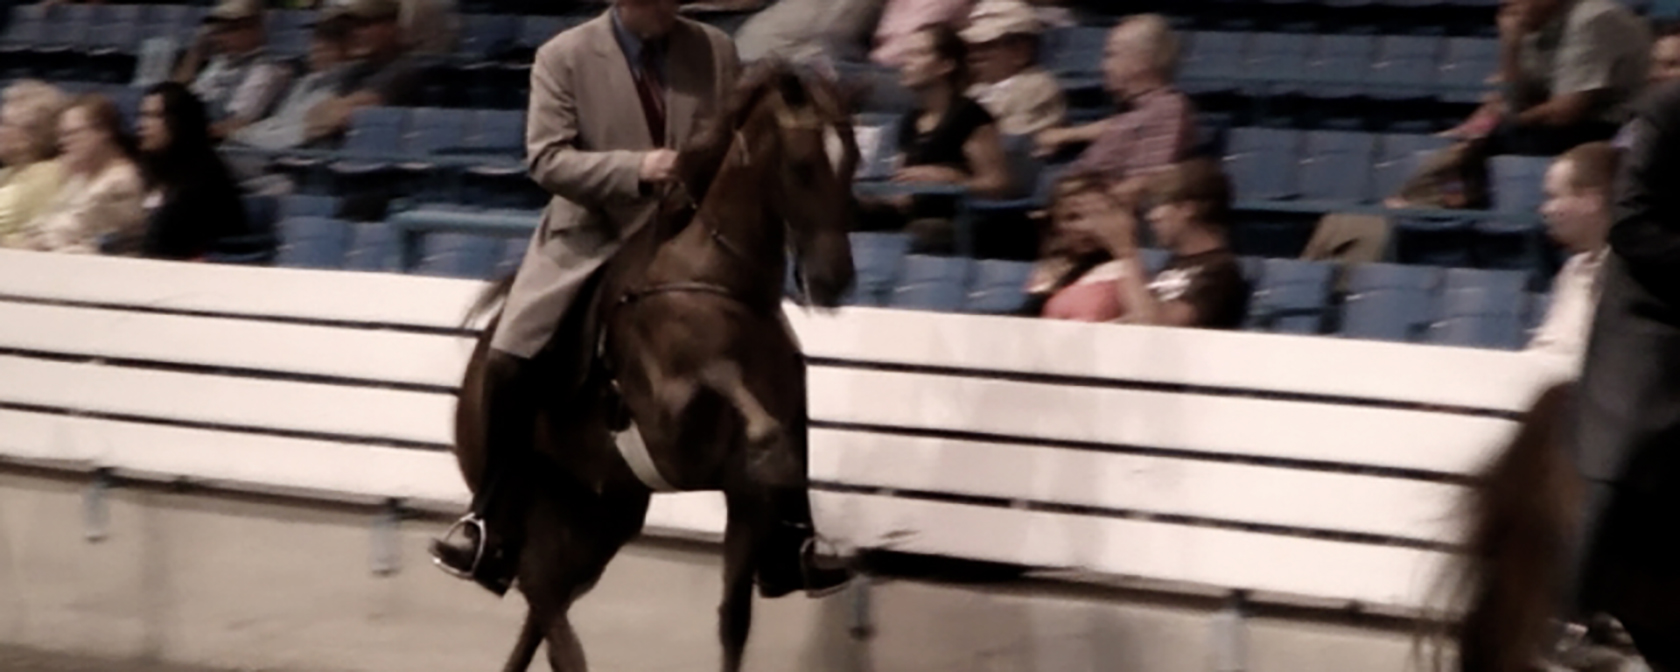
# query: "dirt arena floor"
{"type": "Point", "coordinates": [27, 660]}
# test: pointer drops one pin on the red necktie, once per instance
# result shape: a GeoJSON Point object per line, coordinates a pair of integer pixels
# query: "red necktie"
{"type": "Point", "coordinates": [652, 93]}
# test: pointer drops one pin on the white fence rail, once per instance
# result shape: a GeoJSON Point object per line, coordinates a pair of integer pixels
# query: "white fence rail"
{"type": "Point", "coordinates": [1309, 466]}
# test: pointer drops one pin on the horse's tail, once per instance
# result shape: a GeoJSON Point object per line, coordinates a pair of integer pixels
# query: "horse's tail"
{"type": "Point", "coordinates": [1518, 520]}
{"type": "Point", "coordinates": [489, 301]}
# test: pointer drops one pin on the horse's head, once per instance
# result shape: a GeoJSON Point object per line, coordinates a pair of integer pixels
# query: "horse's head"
{"type": "Point", "coordinates": [799, 127]}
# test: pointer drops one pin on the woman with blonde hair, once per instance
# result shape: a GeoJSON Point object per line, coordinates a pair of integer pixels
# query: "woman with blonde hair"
{"type": "Point", "coordinates": [29, 113]}
{"type": "Point", "coordinates": [98, 208]}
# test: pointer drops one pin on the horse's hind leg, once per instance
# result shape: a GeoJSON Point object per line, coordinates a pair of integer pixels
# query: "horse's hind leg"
{"type": "Point", "coordinates": [740, 553]}
{"type": "Point", "coordinates": [530, 636]}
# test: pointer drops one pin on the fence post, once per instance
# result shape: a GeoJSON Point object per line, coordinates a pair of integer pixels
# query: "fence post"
{"type": "Point", "coordinates": [385, 544]}
{"type": "Point", "coordinates": [96, 508]}
{"type": "Point", "coordinates": [1230, 634]}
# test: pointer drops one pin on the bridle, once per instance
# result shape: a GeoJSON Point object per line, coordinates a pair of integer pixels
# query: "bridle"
{"type": "Point", "coordinates": [741, 148]}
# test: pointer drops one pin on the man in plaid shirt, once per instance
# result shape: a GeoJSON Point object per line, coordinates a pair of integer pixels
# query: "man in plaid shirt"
{"type": "Point", "coordinates": [1157, 127]}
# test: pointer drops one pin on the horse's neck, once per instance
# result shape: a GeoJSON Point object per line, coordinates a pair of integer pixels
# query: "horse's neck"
{"type": "Point", "coordinates": [735, 209]}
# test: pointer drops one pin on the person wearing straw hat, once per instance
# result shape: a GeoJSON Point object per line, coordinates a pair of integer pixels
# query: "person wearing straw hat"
{"type": "Point", "coordinates": [1004, 38]}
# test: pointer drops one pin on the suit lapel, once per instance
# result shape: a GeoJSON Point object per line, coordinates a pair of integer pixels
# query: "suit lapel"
{"type": "Point", "coordinates": [686, 65]}
{"type": "Point", "coordinates": [629, 130]}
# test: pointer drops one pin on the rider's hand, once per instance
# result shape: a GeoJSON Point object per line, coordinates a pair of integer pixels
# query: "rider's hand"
{"type": "Point", "coordinates": [659, 165]}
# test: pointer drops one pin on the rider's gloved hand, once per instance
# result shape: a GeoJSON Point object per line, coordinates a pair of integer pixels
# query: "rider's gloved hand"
{"type": "Point", "coordinates": [659, 166]}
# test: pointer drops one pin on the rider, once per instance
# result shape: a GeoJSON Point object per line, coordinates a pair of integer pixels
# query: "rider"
{"type": "Point", "coordinates": [605, 168]}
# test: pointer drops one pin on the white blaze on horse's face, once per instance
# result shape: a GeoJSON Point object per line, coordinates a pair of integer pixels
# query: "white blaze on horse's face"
{"type": "Point", "coordinates": [835, 147]}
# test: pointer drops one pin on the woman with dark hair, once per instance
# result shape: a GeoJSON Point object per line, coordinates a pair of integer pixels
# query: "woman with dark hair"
{"type": "Point", "coordinates": [1202, 284]}
{"type": "Point", "coordinates": [193, 205]}
{"type": "Point", "coordinates": [97, 207]}
{"type": "Point", "coordinates": [949, 139]}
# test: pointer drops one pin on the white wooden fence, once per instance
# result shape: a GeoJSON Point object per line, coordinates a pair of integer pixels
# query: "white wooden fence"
{"type": "Point", "coordinates": [1305, 466]}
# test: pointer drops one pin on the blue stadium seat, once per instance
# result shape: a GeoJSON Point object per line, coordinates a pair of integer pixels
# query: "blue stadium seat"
{"type": "Point", "coordinates": [313, 242]}
{"type": "Point", "coordinates": [1339, 65]}
{"type": "Point", "coordinates": [1278, 58]}
{"type": "Point", "coordinates": [999, 287]}
{"type": "Point", "coordinates": [1291, 296]}
{"type": "Point", "coordinates": [1518, 182]}
{"type": "Point", "coordinates": [1484, 308]}
{"type": "Point", "coordinates": [536, 30]}
{"type": "Point", "coordinates": [487, 36]}
{"type": "Point", "coordinates": [1389, 302]}
{"type": "Point", "coordinates": [459, 255]}
{"type": "Point", "coordinates": [305, 205]}
{"type": "Point", "coordinates": [1466, 63]}
{"type": "Point", "coordinates": [1538, 304]}
{"type": "Point", "coordinates": [1075, 51]}
{"type": "Point", "coordinates": [1406, 66]}
{"type": "Point", "coordinates": [884, 150]}
{"type": "Point", "coordinates": [1336, 166]}
{"type": "Point", "coordinates": [432, 130]}
{"type": "Point", "coordinates": [513, 254]}
{"type": "Point", "coordinates": [28, 28]}
{"type": "Point", "coordinates": [1213, 61]}
{"type": "Point", "coordinates": [1154, 259]}
{"type": "Point", "coordinates": [878, 258]}
{"type": "Point", "coordinates": [1398, 157]}
{"type": "Point", "coordinates": [932, 283]}
{"type": "Point", "coordinates": [496, 132]}
{"type": "Point", "coordinates": [1262, 162]}
{"type": "Point", "coordinates": [262, 212]}
{"type": "Point", "coordinates": [372, 142]}
{"type": "Point", "coordinates": [374, 246]}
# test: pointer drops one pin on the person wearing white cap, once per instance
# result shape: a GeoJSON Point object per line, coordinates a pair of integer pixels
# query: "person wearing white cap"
{"type": "Point", "coordinates": [1003, 38]}
{"type": "Point", "coordinates": [384, 72]}
{"type": "Point", "coordinates": [240, 84]}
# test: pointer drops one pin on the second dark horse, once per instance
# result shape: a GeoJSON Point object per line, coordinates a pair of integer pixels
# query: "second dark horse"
{"type": "Point", "coordinates": [693, 349]}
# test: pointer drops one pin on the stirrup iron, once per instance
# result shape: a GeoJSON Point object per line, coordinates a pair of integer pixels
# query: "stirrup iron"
{"type": "Point", "coordinates": [473, 521]}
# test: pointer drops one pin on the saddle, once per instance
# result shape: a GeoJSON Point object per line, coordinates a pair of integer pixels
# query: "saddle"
{"type": "Point", "coordinates": [579, 351]}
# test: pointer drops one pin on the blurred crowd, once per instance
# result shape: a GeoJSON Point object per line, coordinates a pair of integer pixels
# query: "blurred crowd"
{"type": "Point", "coordinates": [1571, 72]}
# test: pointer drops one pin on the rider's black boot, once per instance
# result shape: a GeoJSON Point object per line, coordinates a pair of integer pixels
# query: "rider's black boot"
{"type": "Point", "coordinates": [788, 560]}
{"type": "Point", "coordinates": [490, 538]}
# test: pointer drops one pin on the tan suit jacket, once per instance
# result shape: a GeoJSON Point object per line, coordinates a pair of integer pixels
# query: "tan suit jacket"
{"type": "Point", "coordinates": [584, 141]}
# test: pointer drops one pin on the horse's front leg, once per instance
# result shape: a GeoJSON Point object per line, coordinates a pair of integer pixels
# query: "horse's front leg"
{"type": "Point", "coordinates": [770, 458]}
{"type": "Point", "coordinates": [740, 546]}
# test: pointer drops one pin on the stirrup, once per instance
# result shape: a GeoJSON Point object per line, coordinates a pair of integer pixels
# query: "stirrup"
{"type": "Point", "coordinates": [807, 562]}
{"type": "Point", "coordinates": [473, 521]}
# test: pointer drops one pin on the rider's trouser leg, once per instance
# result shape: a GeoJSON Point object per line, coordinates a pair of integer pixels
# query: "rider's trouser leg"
{"type": "Point", "coordinates": [511, 399]}
{"type": "Point", "coordinates": [787, 553]}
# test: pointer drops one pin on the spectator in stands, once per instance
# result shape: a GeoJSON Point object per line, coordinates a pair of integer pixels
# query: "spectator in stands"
{"type": "Point", "coordinates": [1665, 56]}
{"type": "Point", "coordinates": [240, 83]}
{"type": "Point", "coordinates": [902, 20]}
{"type": "Point", "coordinates": [29, 112]}
{"type": "Point", "coordinates": [193, 206]}
{"type": "Point", "coordinates": [1003, 39]}
{"type": "Point", "coordinates": [802, 31]}
{"type": "Point", "coordinates": [384, 73]}
{"type": "Point", "coordinates": [98, 207]}
{"type": "Point", "coordinates": [328, 59]}
{"type": "Point", "coordinates": [1577, 211]}
{"type": "Point", "coordinates": [948, 140]}
{"type": "Point", "coordinates": [1158, 126]}
{"type": "Point", "coordinates": [431, 27]}
{"type": "Point", "coordinates": [1202, 284]}
{"type": "Point", "coordinates": [1570, 70]}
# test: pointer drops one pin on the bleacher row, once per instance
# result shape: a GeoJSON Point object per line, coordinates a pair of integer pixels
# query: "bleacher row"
{"type": "Point", "coordinates": [1466, 307]}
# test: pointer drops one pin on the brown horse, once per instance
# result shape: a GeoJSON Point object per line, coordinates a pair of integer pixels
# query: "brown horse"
{"type": "Point", "coordinates": [693, 349]}
{"type": "Point", "coordinates": [1523, 516]}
